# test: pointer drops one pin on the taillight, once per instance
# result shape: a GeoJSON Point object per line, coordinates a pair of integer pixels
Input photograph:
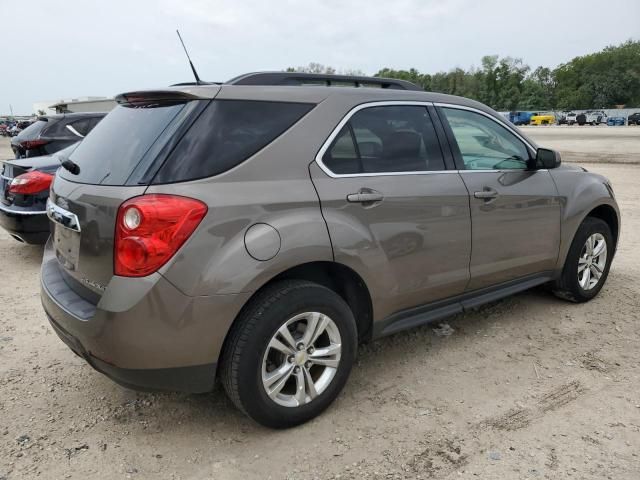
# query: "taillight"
{"type": "Point", "coordinates": [31, 182]}
{"type": "Point", "coordinates": [150, 229]}
{"type": "Point", "coordinates": [31, 144]}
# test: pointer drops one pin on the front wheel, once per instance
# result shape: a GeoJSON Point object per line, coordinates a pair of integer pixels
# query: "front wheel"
{"type": "Point", "coordinates": [289, 354]}
{"type": "Point", "coordinates": [587, 264]}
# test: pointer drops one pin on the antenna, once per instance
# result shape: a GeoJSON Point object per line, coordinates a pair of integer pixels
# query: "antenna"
{"type": "Point", "coordinates": [193, 69]}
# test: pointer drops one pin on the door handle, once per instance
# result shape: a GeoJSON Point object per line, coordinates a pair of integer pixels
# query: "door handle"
{"type": "Point", "coordinates": [365, 196]}
{"type": "Point", "coordinates": [486, 194]}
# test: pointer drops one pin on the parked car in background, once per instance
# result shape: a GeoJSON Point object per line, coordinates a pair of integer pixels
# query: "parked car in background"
{"type": "Point", "coordinates": [52, 133]}
{"type": "Point", "coordinates": [633, 119]}
{"type": "Point", "coordinates": [615, 121]}
{"type": "Point", "coordinates": [595, 117]}
{"type": "Point", "coordinates": [544, 118]}
{"type": "Point", "coordinates": [258, 234]}
{"type": "Point", "coordinates": [24, 190]}
{"type": "Point", "coordinates": [581, 119]}
{"type": "Point", "coordinates": [571, 118]}
{"type": "Point", "coordinates": [16, 127]}
{"type": "Point", "coordinates": [520, 118]}
{"type": "Point", "coordinates": [561, 118]}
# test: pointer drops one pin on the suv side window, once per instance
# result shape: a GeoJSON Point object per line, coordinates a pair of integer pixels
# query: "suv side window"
{"type": "Point", "coordinates": [226, 134]}
{"type": "Point", "coordinates": [386, 139]}
{"type": "Point", "coordinates": [484, 144]}
{"type": "Point", "coordinates": [81, 126]}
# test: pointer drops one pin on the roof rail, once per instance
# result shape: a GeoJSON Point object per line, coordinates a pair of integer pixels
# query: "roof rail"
{"type": "Point", "coordinates": [195, 84]}
{"type": "Point", "coordinates": [298, 78]}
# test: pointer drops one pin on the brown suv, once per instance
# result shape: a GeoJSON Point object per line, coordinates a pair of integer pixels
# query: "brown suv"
{"type": "Point", "coordinates": [258, 230]}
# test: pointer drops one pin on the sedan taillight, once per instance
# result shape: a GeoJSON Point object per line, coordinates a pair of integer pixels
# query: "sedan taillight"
{"type": "Point", "coordinates": [150, 229]}
{"type": "Point", "coordinates": [31, 144]}
{"type": "Point", "coordinates": [30, 183]}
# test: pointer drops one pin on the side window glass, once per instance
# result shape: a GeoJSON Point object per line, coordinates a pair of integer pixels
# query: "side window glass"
{"type": "Point", "coordinates": [80, 126]}
{"type": "Point", "coordinates": [484, 144]}
{"type": "Point", "coordinates": [92, 123]}
{"type": "Point", "coordinates": [342, 158]}
{"type": "Point", "coordinates": [388, 139]}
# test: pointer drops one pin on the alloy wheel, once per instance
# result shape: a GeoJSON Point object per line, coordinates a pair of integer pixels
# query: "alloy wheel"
{"type": "Point", "coordinates": [301, 359]}
{"type": "Point", "coordinates": [592, 261]}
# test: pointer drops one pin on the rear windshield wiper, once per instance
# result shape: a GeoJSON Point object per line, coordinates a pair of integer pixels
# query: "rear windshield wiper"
{"type": "Point", "coordinates": [69, 165]}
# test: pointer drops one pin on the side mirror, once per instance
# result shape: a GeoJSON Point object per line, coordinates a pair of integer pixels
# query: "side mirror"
{"type": "Point", "coordinates": [547, 158]}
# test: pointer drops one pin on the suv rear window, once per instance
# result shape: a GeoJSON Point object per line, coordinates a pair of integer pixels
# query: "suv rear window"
{"type": "Point", "coordinates": [227, 133]}
{"type": "Point", "coordinates": [115, 147]}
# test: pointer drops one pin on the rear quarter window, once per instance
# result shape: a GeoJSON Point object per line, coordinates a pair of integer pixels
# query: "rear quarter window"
{"type": "Point", "coordinates": [227, 133]}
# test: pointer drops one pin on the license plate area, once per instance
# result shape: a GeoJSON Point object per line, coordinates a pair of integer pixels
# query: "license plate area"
{"type": "Point", "coordinates": [66, 243]}
{"type": "Point", "coordinates": [4, 189]}
{"type": "Point", "coordinates": [66, 235]}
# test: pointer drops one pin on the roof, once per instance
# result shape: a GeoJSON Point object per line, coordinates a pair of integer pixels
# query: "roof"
{"type": "Point", "coordinates": [72, 115]}
{"type": "Point", "coordinates": [79, 102]}
{"type": "Point", "coordinates": [305, 88]}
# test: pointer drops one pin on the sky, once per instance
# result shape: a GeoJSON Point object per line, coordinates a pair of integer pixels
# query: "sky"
{"type": "Point", "coordinates": [71, 48]}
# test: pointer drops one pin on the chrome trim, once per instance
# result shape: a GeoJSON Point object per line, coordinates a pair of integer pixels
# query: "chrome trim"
{"type": "Point", "coordinates": [354, 110]}
{"type": "Point", "coordinates": [346, 118]}
{"type": "Point", "coordinates": [62, 217]}
{"type": "Point", "coordinates": [4, 208]}
{"type": "Point", "coordinates": [74, 131]}
{"type": "Point", "coordinates": [491, 117]}
{"type": "Point", "coordinates": [504, 170]}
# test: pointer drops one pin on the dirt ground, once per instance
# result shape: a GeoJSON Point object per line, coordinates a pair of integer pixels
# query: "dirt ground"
{"type": "Point", "coordinates": [530, 387]}
{"type": "Point", "coordinates": [590, 144]}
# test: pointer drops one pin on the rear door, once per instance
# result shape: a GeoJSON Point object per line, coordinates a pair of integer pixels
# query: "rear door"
{"type": "Point", "coordinates": [395, 214]}
{"type": "Point", "coordinates": [515, 212]}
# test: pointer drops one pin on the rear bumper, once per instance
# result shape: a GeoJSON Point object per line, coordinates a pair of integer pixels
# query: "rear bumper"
{"type": "Point", "coordinates": [191, 379]}
{"type": "Point", "coordinates": [28, 226]}
{"type": "Point", "coordinates": [143, 333]}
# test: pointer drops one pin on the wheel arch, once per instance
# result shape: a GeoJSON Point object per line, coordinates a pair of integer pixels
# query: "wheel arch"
{"type": "Point", "coordinates": [337, 277]}
{"type": "Point", "coordinates": [608, 214]}
{"type": "Point", "coordinates": [603, 210]}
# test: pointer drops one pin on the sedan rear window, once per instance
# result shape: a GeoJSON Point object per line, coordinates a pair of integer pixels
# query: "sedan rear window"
{"type": "Point", "coordinates": [33, 130]}
{"type": "Point", "coordinates": [227, 133]}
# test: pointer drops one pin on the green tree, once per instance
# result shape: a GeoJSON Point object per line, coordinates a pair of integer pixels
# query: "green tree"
{"type": "Point", "coordinates": [598, 80]}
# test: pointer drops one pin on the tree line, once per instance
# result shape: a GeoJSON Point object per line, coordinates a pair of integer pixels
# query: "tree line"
{"type": "Point", "coordinates": [603, 79]}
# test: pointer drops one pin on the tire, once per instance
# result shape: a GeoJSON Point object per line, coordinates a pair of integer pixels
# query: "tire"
{"type": "Point", "coordinates": [568, 285]}
{"type": "Point", "coordinates": [247, 353]}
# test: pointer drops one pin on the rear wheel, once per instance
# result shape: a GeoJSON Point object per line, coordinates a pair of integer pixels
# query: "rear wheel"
{"type": "Point", "coordinates": [289, 353]}
{"type": "Point", "coordinates": [587, 264]}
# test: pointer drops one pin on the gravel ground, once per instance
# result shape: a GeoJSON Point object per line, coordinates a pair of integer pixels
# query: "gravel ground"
{"type": "Point", "coordinates": [590, 144]}
{"type": "Point", "coordinates": [526, 388]}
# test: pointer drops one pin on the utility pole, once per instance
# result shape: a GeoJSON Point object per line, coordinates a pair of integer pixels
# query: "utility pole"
{"type": "Point", "coordinates": [11, 109]}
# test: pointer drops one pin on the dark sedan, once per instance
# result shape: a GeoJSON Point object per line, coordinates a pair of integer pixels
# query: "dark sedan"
{"type": "Point", "coordinates": [24, 190]}
{"type": "Point", "coordinates": [52, 133]}
{"type": "Point", "coordinates": [633, 119]}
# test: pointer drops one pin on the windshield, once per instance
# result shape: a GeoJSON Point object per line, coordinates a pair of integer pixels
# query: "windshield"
{"type": "Point", "coordinates": [33, 130]}
{"type": "Point", "coordinates": [112, 150]}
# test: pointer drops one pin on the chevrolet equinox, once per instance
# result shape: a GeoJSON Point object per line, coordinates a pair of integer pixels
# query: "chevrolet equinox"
{"type": "Point", "coordinates": [257, 231]}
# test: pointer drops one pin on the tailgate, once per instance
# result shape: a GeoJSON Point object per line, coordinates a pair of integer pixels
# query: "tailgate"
{"type": "Point", "coordinates": [83, 224]}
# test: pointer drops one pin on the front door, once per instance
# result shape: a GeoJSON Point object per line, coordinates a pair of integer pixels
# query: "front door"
{"type": "Point", "coordinates": [515, 212]}
{"type": "Point", "coordinates": [394, 213]}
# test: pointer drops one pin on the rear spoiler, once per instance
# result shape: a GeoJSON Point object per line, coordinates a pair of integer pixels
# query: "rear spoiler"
{"type": "Point", "coordinates": [147, 98]}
